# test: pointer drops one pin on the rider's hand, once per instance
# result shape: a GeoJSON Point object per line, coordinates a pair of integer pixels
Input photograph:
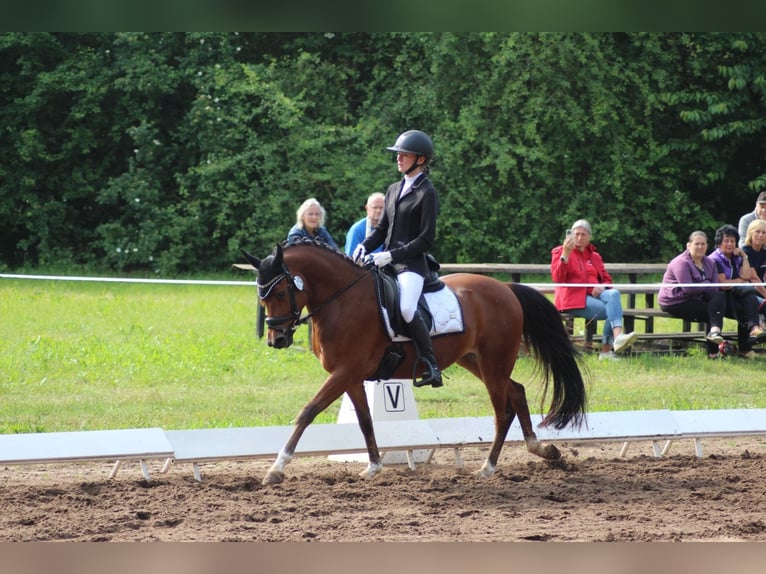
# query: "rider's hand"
{"type": "Point", "coordinates": [382, 259]}
{"type": "Point", "coordinates": [359, 253]}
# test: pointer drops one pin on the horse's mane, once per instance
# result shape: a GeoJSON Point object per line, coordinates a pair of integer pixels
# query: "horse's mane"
{"type": "Point", "coordinates": [308, 242]}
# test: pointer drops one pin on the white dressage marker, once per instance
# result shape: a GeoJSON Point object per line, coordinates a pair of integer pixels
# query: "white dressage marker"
{"type": "Point", "coordinates": [388, 400]}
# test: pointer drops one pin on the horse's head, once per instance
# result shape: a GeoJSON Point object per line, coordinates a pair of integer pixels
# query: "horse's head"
{"type": "Point", "coordinates": [280, 293]}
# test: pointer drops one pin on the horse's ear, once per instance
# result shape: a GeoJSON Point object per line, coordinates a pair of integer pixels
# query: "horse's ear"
{"type": "Point", "coordinates": [252, 259]}
{"type": "Point", "coordinates": [278, 257]}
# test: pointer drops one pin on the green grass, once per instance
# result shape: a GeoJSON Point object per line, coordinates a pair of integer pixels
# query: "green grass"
{"type": "Point", "coordinates": [86, 356]}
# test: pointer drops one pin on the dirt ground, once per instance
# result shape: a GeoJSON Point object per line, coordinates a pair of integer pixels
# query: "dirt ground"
{"type": "Point", "coordinates": [592, 494]}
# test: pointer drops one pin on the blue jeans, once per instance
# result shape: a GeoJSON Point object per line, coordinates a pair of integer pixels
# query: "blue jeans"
{"type": "Point", "coordinates": [606, 307]}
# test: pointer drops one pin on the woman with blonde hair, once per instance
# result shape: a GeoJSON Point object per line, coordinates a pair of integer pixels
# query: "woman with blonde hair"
{"type": "Point", "coordinates": [755, 249]}
{"type": "Point", "coordinates": [309, 224]}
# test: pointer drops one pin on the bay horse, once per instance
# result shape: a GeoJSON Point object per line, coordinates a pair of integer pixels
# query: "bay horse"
{"type": "Point", "coordinates": [349, 339]}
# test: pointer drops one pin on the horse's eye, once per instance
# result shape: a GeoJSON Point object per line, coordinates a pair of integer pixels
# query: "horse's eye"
{"type": "Point", "coordinates": [281, 295]}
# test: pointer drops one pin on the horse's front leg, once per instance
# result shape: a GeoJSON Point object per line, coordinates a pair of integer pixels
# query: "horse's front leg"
{"type": "Point", "coordinates": [332, 388]}
{"type": "Point", "coordinates": [359, 399]}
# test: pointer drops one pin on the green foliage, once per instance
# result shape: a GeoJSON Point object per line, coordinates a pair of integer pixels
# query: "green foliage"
{"type": "Point", "coordinates": [167, 152]}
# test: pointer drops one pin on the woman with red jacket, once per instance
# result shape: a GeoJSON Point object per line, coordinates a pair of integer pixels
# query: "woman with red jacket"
{"type": "Point", "coordinates": [576, 261]}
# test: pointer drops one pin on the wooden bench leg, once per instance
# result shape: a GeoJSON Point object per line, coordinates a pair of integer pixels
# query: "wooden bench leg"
{"type": "Point", "coordinates": [591, 328]}
{"type": "Point", "coordinates": [589, 331]}
{"type": "Point", "coordinates": [569, 324]}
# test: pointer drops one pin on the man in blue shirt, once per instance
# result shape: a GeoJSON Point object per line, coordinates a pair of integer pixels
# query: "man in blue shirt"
{"type": "Point", "coordinates": [758, 213]}
{"type": "Point", "coordinates": [362, 228]}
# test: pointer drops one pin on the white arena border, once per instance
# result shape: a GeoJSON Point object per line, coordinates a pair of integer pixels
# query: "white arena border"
{"type": "Point", "coordinates": [204, 445]}
{"type": "Point", "coordinates": [659, 427]}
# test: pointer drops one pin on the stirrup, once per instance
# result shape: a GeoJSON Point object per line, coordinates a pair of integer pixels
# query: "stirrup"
{"type": "Point", "coordinates": [432, 376]}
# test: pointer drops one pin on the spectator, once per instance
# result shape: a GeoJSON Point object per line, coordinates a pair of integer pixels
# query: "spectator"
{"type": "Point", "coordinates": [578, 261]}
{"type": "Point", "coordinates": [755, 249]}
{"type": "Point", "coordinates": [741, 302]}
{"type": "Point", "coordinates": [700, 304]}
{"type": "Point", "coordinates": [362, 228]}
{"type": "Point", "coordinates": [309, 223]}
{"type": "Point", "coordinates": [758, 213]}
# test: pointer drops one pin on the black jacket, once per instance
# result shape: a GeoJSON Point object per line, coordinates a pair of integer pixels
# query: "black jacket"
{"type": "Point", "coordinates": [408, 226]}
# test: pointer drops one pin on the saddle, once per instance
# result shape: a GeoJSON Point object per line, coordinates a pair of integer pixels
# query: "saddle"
{"type": "Point", "coordinates": [387, 293]}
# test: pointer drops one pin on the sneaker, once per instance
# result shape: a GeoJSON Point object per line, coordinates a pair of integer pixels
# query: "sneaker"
{"type": "Point", "coordinates": [714, 356]}
{"type": "Point", "coordinates": [757, 334]}
{"type": "Point", "coordinates": [714, 336]}
{"type": "Point", "coordinates": [748, 355]}
{"type": "Point", "coordinates": [624, 341]}
{"type": "Point", "coordinates": [608, 356]}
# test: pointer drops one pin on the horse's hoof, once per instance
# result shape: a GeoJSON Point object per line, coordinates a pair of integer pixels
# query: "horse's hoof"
{"type": "Point", "coordinates": [371, 471]}
{"type": "Point", "coordinates": [485, 471]}
{"type": "Point", "coordinates": [550, 452]}
{"type": "Point", "coordinates": [273, 477]}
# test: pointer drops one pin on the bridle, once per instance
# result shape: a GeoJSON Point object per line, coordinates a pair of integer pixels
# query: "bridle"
{"type": "Point", "coordinates": [287, 324]}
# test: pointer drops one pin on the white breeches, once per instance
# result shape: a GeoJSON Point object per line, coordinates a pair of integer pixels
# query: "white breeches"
{"type": "Point", "coordinates": [410, 288]}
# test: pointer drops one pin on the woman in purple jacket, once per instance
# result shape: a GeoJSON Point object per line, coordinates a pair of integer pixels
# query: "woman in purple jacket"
{"type": "Point", "coordinates": [734, 271]}
{"type": "Point", "coordinates": [699, 304]}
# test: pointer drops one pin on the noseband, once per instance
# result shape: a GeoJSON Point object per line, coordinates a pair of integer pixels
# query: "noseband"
{"type": "Point", "coordinates": [293, 319]}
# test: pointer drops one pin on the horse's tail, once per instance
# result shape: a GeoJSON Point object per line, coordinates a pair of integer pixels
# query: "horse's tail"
{"type": "Point", "coordinates": [556, 357]}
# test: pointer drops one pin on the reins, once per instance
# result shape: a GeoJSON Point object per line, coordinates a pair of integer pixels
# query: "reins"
{"type": "Point", "coordinates": [335, 296]}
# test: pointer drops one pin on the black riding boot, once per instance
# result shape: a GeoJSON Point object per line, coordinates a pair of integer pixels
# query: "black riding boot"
{"type": "Point", "coordinates": [422, 339]}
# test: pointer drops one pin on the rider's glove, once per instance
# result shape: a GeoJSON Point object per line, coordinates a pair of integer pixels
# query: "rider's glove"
{"type": "Point", "coordinates": [382, 259]}
{"type": "Point", "coordinates": [359, 253]}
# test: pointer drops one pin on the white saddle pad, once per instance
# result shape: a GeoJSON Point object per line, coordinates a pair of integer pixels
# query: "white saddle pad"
{"type": "Point", "coordinates": [446, 312]}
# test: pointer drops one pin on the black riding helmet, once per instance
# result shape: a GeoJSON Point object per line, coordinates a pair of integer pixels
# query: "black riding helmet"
{"type": "Point", "coordinates": [417, 142]}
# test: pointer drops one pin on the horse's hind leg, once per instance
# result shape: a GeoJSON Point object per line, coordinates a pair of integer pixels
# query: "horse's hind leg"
{"type": "Point", "coordinates": [515, 405]}
{"type": "Point", "coordinates": [499, 388]}
{"type": "Point", "coordinates": [518, 402]}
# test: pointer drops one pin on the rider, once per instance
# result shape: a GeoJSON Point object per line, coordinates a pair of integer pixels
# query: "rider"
{"type": "Point", "coordinates": [408, 229]}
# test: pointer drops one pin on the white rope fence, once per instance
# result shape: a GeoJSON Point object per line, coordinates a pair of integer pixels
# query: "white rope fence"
{"type": "Point", "coordinates": [541, 286]}
{"type": "Point", "coordinates": [127, 280]}
{"type": "Point", "coordinates": [629, 286]}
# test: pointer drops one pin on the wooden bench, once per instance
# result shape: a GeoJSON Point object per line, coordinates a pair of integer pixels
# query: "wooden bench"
{"type": "Point", "coordinates": [688, 332]}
